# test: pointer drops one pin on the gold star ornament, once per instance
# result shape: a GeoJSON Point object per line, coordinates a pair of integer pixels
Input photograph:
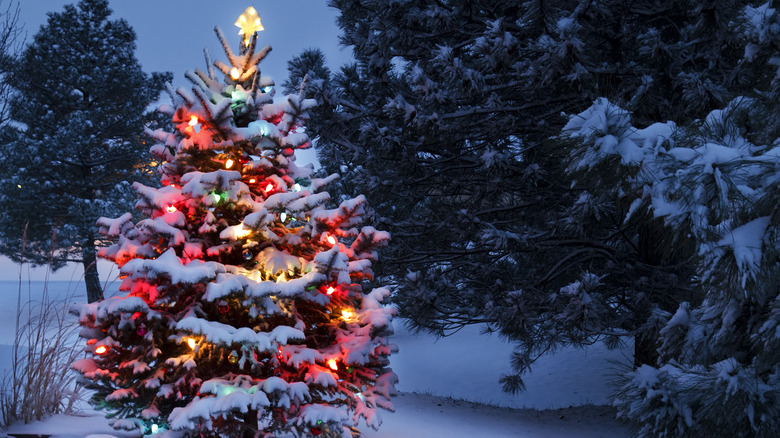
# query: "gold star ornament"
{"type": "Point", "coordinates": [249, 22]}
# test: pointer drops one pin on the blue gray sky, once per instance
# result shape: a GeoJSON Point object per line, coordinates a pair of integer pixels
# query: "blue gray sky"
{"type": "Point", "coordinates": [171, 35]}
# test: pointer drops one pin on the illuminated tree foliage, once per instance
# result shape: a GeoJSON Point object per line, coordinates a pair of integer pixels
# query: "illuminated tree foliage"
{"type": "Point", "coordinates": [244, 311]}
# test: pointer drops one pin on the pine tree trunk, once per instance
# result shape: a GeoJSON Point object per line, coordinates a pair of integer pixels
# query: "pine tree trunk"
{"type": "Point", "coordinates": [91, 278]}
{"type": "Point", "coordinates": [645, 351]}
{"type": "Point", "coordinates": [250, 420]}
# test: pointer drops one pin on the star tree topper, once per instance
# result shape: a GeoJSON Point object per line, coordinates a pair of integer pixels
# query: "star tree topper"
{"type": "Point", "coordinates": [249, 22]}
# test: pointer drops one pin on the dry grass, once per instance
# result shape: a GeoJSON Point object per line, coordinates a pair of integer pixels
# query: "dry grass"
{"type": "Point", "coordinates": [40, 382]}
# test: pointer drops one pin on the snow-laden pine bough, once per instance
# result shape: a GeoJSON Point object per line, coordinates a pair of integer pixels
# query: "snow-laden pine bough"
{"type": "Point", "coordinates": [242, 311]}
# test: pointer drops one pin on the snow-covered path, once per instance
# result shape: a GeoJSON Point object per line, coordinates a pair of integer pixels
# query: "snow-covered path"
{"type": "Point", "coordinates": [426, 416]}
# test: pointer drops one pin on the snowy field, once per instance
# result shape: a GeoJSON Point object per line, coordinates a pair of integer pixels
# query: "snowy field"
{"type": "Point", "coordinates": [449, 387]}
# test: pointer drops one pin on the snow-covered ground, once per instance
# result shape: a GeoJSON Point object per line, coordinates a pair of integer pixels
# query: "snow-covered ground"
{"type": "Point", "coordinates": [449, 387]}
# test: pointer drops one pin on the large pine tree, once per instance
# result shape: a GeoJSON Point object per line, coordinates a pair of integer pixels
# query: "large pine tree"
{"type": "Point", "coordinates": [244, 309]}
{"type": "Point", "coordinates": [77, 111]}
{"type": "Point", "coordinates": [447, 121]}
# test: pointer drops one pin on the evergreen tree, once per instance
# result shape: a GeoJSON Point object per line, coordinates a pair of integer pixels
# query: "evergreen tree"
{"type": "Point", "coordinates": [10, 34]}
{"type": "Point", "coordinates": [78, 105]}
{"type": "Point", "coordinates": [718, 373]}
{"type": "Point", "coordinates": [445, 122]}
{"type": "Point", "coordinates": [245, 313]}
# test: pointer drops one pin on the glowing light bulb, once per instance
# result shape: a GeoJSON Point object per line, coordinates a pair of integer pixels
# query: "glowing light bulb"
{"type": "Point", "coordinates": [193, 120]}
{"type": "Point", "coordinates": [283, 216]}
{"type": "Point", "coordinates": [252, 180]}
{"type": "Point", "coordinates": [155, 428]}
{"type": "Point", "coordinates": [191, 342]}
{"type": "Point", "coordinates": [215, 197]}
{"type": "Point", "coordinates": [346, 314]}
{"type": "Point", "coordinates": [330, 290]}
{"type": "Point", "coordinates": [331, 240]}
{"type": "Point", "coordinates": [242, 232]}
{"type": "Point", "coordinates": [333, 364]}
{"type": "Point", "coordinates": [269, 187]}
{"type": "Point", "coordinates": [229, 163]}
{"type": "Point", "coordinates": [234, 73]}
{"type": "Point", "coordinates": [170, 209]}
{"type": "Point", "coordinates": [297, 187]}
{"type": "Point", "coordinates": [101, 349]}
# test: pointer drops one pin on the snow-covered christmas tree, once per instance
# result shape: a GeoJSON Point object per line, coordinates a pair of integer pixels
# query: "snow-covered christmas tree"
{"type": "Point", "coordinates": [243, 311]}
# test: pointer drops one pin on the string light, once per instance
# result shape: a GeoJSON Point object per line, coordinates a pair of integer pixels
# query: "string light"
{"type": "Point", "coordinates": [242, 232]}
{"type": "Point", "coordinates": [155, 428]}
{"type": "Point", "coordinates": [191, 342]}
{"type": "Point", "coordinates": [331, 240]}
{"type": "Point", "coordinates": [333, 364]}
{"type": "Point", "coordinates": [346, 314]}
{"type": "Point", "coordinates": [269, 187]}
{"type": "Point", "coordinates": [297, 187]}
{"type": "Point", "coordinates": [283, 216]}
{"type": "Point", "coordinates": [216, 197]}
{"type": "Point", "coordinates": [234, 73]}
{"type": "Point", "coordinates": [170, 209]}
{"type": "Point", "coordinates": [101, 349]}
{"type": "Point", "coordinates": [193, 120]}
{"type": "Point", "coordinates": [330, 290]}
{"type": "Point", "coordinates": [229, 163]}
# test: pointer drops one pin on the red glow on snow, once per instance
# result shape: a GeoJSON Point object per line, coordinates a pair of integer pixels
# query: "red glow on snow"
{"type": "Point", "coordinates": [333, 364]}
{"type": "Point", "coordinates": [101, 349]}
{"type": "Point", "coordinates": [170, 209]}
{"type": "Point", "coordinates": [193, 120]}
{"type": "Point", "coordinates": [331, 240]}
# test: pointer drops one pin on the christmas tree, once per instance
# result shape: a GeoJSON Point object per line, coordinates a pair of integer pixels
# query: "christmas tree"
{"type": "Point", "coordinates": [243, 310]}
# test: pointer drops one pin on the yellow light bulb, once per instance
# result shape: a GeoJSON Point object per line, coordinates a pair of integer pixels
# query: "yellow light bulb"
{"type": "Point", "coordinates": [229, 163]}
{"type": "Point", "coordinates": [333, 364]}
{"type": "Point", "coordinates": [252, 180]}
{"type": "Point", "coordinates": [193, 120]}
{"type": "Point", "coordinates": [242, 232]}
{"type": "Point", "coordinates": [101, 349]}
{"type": "Point", "coordinates": [346, 314]}
{"type": "Point", "coordinates": [191, 342]}
{"type": "Point", "coordinates": [234, 73]}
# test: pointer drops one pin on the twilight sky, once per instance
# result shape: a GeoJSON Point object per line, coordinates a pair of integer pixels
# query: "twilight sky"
{"type": "Point", "coordinates": [171, 35]}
